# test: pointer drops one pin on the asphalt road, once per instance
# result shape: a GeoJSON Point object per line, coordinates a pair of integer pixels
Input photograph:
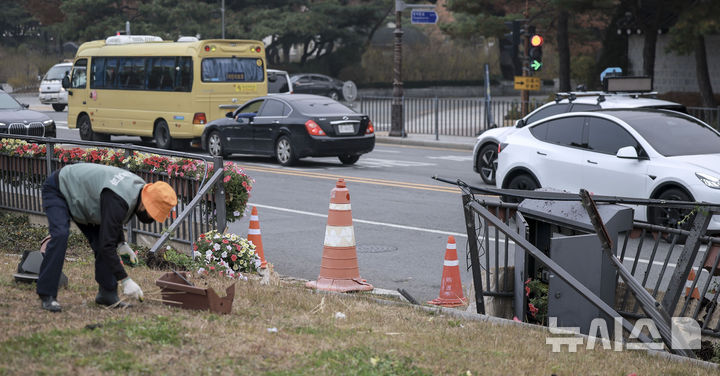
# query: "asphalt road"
{"type": "Point", "coordinates": [402, 218]}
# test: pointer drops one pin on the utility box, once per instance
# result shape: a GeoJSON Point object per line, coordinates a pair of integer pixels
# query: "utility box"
{"type": "Point", "coordinates": [562, 229]}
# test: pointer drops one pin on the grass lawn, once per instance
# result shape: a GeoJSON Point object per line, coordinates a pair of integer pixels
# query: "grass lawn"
{"type": "Point", "coordinates": [277, 329]}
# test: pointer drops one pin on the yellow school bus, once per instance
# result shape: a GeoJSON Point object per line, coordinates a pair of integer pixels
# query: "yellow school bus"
{"type": "Point", "coordinates": [159, 90]}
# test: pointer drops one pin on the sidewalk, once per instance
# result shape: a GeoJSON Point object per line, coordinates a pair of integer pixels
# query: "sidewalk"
{"type": "Point", "coordinates": [451, 142]}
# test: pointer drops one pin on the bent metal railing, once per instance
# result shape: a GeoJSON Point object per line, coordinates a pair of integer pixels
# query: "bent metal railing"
{"type": "Point", "coordinates": [662, 260]}
{"type": "Point", "coordinates": [201, 202]}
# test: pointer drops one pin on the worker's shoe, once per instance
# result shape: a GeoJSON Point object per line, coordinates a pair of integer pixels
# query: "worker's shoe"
{"type": "Point", "coordinates": [109, 298]}
{"type": "Point", "coordinates": [49, 303]}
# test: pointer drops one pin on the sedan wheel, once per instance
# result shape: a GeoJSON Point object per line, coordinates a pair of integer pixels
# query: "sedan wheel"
{"type": "Point", "coordinates": [284, 151]}
{"type": "Point", "coordinates": [348, 159]}
{"type": "Point", "coordinates": [214, 146]}
{"type": "Point", "coordinates": [487, 163]}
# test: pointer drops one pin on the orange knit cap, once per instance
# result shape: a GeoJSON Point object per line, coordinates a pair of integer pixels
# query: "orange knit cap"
{"type": "Point", "coordinates": [158, 198]}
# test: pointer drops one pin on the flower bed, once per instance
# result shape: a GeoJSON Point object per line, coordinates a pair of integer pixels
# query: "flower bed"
{"type": "Point", "coordinates": [225, 254]}
{"type": "Point", "coordinates": [237, 184]}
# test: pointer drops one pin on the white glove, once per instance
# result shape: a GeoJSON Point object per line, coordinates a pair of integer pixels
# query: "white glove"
{"type": "Point", "coordinates": [131, 289]}
{"type": "Point", "coordinates": [125, 250]}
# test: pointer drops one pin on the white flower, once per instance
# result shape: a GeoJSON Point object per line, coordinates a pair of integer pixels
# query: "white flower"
{"type": "Point", "coordinates": [168, 248]}
{"type": "Point", "coordinates": [196, 254]}
{"type": "Point", "coordinates": [224, 254]}
{"type": "Point", "coordinates": [257, 263]}
{"type": "Point", "coordinates": [201, 270]}
{"type": "Point", "coordinates": [217, 236]}
{"type": "Point", "coordinates": [208, 253]}
{"type": "Point", "coordinates": [229, 248]}
{"type": "Point", "coordinates": [236, 213]}
{"type": "Point", "coordinates": [216, 246]}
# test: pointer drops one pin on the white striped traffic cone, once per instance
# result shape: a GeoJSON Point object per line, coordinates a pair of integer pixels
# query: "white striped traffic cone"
{"type": "Point", "coordinates": [339, 267]}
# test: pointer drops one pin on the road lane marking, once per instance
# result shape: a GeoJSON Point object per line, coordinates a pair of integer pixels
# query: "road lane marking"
{"type": "Point", "coordinates": [317, 175]}
{"type": "Point", "coordinates": [403, 227]}
{"type": "Point", "coordinates": [375, 162]}
{"type": "Point", "coordinates": [413, 228]}
{"type": "Point", "coordinates": [454, 158]}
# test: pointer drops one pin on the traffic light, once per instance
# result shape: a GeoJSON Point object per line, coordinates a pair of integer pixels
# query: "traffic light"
{"type": "Point", "coordinates": [535, 52]}
{"type": "Point", "coordinates": [510, 62]}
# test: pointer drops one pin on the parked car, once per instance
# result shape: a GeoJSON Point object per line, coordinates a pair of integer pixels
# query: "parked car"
{"type": "Point", "coordinates": [279, 82]}
{"type": "Point", "coordinates": [290, 127]}
{"type": "Point", "coordinates": [639, 153]}
{"type": "Point", "coordinates": [320, 84]}
{"type": "Point", "coordinates": [51, 90]}
{"type": "Point", "coordinates": [485, 151]}
{"type": "Point", "coordinates": [15, 118]}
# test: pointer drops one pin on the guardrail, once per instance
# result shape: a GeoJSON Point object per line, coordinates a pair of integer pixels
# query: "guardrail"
{"type": "Point", "coordinates": [660, 259]}
{"type": "Point", "coordinates": [201, 210]}
{"type": "Point", "coordinates": [443, 116]}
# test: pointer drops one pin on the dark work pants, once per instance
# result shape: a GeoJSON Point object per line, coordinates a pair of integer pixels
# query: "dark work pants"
{"type": "Point", "coordinates": [58, 216]}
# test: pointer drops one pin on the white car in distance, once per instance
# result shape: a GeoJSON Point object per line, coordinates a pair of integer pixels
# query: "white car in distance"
{"type": "Point", "coordinates": [637, 153]}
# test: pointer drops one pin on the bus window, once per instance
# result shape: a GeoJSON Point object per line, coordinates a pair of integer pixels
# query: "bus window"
{"type": "Point", "coordinates": [97, 73]}
{"type": "Point", "coordinates": [161, 73]}
{"type": "Point", "coordinates": [131, 73]}
{"type": "Point", "coordinates": [227, 69]}
{"type": "Point", "coordinates": [79, 75]}
{"type": "Point", "coordinates": [183, 78]}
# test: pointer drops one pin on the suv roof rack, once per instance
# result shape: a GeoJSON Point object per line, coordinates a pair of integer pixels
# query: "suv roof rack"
{"type": "Point", "coordinates": [573, 95]}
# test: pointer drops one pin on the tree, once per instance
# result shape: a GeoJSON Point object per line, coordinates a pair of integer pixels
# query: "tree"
{"type": "Point", "coordinates": [16, 23]}
{"type": "Point", "coordinates": [697, 19]}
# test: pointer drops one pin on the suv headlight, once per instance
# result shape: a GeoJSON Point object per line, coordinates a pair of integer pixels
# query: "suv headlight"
{"type": "Point", "coordinates": [709, 180]}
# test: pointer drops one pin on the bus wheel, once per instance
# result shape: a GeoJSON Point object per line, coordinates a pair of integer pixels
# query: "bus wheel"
{"type": "Point", "coordinates": [85, 128]}
{"type": "Point", "coordinates": [162, 135]}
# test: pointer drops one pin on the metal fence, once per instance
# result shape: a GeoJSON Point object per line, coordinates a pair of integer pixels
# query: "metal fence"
{"type": "Point", "coordinates": [707, 114]}
{"type": "Point", "coordinates": [201, 203]}
{"type": "Point", "coordinates": [467, 116]}
{"type": "Point", "coordinates": [679, 268]}
{"type": "Point", "coordinates": [443, 116]}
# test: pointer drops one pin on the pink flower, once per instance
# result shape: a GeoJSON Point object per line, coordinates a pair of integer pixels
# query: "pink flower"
{"type": "Point", "coordinates": [227, 179]}
{"type": "Point", "coordinates": [233, 257]}
{"type": "Point", "coordinates": [527, 291]}
{"type": "Point", "coordinates": [533, 309]}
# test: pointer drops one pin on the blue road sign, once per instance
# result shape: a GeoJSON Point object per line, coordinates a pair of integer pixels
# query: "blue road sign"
{"type": "Point", "coordinates": [423, 17]}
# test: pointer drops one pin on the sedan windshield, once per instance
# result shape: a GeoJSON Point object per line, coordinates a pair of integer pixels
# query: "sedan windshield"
{"type": "Point", "coordinates": [317, 107]}
{"type": "Point", "coordinates": [672, 134]}
{"type": "Point", "coordinates": [8, 103]}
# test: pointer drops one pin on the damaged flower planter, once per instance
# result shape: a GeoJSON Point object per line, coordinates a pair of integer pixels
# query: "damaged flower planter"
{"type": "Point", "coordinates": [177, 291]}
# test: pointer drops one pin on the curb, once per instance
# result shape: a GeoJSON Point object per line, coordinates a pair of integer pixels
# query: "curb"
{"type": "Point", "coordinates": [409, 141]}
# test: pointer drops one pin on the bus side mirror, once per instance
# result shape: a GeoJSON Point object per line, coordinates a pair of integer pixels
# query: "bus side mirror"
{"type": "Point", "coordinates": [66, 82]}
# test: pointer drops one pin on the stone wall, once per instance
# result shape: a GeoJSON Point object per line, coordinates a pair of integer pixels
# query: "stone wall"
{"type": "Point", "coordinates": [675, 72]}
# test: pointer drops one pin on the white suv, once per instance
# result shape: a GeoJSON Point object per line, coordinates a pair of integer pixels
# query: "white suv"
{"type": "Point", "coordinates": [51, 90]}
{"type": "Point", "coordinates": [486, 146]}
{"type": "Point", "coordinates": [279, 82]}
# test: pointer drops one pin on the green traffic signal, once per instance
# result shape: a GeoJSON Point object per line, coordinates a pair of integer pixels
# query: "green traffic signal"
{"type": "Point", "coordinates": [536, 65]}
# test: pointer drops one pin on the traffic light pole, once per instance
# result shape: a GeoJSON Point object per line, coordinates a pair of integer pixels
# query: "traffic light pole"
{"type": "Point", "coordinates": [525, 94]}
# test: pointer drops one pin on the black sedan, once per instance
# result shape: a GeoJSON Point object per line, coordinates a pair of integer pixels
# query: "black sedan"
{"type": "Point", "coordinates": [15, 118]}
{"type": "Point", "coordinates": [320, 84]}
{"type": "Point", "coordinates": [290, 127]}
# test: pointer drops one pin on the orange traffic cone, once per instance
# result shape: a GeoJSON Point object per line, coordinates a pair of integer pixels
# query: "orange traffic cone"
{"type": "Point", "coordinates": [339, 267]}
{"type": "Point", "coordinates": [451, 294]}
{"type": "Point", "coordinates": [255, 237]}
{"type": "Point", "coordinates": [695, 293]}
